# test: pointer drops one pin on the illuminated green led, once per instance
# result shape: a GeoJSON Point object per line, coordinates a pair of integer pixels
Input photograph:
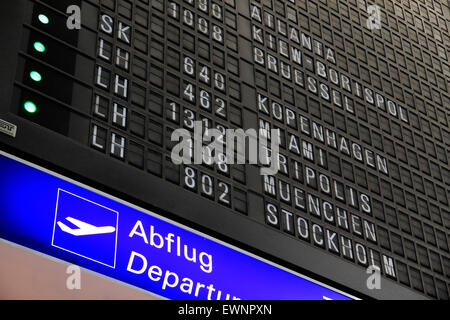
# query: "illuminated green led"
{"type": "Point", "coordinates": [30, 107]}
{"type": "Point", "coordinates": [43, 19]}
{"type": "Point", "coordinates": [35, 76]}
{"type": "Point", "coordinates": [39, 47]}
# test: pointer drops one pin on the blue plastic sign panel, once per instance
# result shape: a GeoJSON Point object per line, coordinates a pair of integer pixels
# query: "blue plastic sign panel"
{"type": "Point", "coordinates": [59, 217]}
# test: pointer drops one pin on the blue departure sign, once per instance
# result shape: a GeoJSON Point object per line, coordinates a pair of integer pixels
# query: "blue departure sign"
{"type": "Point", "coordinates": [72, 222]}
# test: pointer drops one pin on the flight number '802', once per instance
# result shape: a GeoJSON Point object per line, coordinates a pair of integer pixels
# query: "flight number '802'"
{"type": "Point", "coordinates": [207, 185]}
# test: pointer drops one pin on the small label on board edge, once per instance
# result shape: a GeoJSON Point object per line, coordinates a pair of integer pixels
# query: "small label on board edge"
{"type": "Point", "coordinates": [8, 128]}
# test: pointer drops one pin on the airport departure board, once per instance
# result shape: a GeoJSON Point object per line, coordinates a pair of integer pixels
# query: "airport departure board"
{"type": "Point", "coordinates": [96, 90]}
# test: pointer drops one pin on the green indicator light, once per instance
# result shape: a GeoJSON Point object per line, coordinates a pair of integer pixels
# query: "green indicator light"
{"type": "Point", "coordinates": [35, 76]}
{"type": "Point", "coordinates": [43, 19]}
{"type": "Point", "coordinates": [30, 107]}
{"type": "Point", "coordinates": [39, 47]}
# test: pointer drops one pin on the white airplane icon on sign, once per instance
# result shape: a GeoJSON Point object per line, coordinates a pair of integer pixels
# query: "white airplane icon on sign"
{"type": "Point", "coordinates": [84, 229]}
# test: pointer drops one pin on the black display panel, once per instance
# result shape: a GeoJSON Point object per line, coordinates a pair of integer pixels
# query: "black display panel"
{"type": "Point", "coordinates": [362, 117]}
